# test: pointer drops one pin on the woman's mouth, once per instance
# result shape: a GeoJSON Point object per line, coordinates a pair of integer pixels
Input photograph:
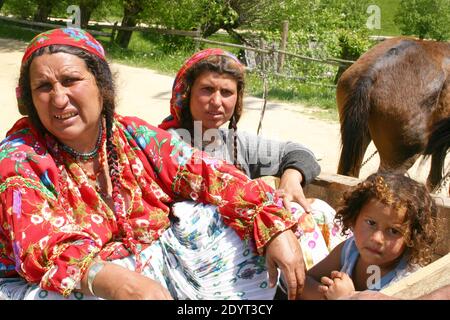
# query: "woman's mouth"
{"type": "Point", "coordinates": [215, 115]}
{"type": "Point", "coordinates": [65, 116]}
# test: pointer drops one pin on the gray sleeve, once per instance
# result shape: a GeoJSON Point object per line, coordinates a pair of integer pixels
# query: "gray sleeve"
{"type": "Point", "coordinates": [269, 157]}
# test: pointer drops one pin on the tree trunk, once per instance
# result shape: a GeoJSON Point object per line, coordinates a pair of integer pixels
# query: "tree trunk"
{"type": "Point", "coordinates": [86, 9]}
{"type": "Point", "coordinates": [1, 4]}
{"type": "Point", "coordinates": [131, 11]}
{"type": "Point", "coordinates": [209, 29]}
{"type": "Point", "coordinates": [86, 12]}
{"type": "Point", "coordinates": [43, 11]}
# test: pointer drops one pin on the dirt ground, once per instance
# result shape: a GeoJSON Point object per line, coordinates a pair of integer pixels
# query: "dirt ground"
{"type": "Point", "coordinates": [146, 94]}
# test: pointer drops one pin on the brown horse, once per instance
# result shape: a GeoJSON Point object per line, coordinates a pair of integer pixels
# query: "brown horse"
{"type": "Point", "coordinates": [395, 94]}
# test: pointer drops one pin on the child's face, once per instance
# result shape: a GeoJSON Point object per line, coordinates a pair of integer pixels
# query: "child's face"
{"type": "Point", "coordinates": [378, 233]}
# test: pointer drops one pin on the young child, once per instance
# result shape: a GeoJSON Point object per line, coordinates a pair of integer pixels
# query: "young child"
{"type": "Point", "coordinates": [394, 233]}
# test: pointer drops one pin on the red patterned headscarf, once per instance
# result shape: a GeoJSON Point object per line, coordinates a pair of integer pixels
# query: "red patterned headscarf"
{"type": "Point", "coordinates": [179, 85]}
{"type": "Point", "coordinates": [65, 36]}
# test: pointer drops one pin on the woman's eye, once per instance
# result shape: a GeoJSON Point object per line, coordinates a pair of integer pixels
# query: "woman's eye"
{"type": "Point", "coordinates": [207, 89]}
{"type": "Point", "coordinates": [69, 81]}
{"type": "Point", "coordinates": [43, 86]}
{"type": "Point", "coordinates": [226, 93]}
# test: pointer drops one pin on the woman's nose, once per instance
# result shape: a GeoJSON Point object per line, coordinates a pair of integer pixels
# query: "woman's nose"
{"type": "Point", "coordinates": [216, 99]}
{"type": "Point", "coordinates": [59, 96]}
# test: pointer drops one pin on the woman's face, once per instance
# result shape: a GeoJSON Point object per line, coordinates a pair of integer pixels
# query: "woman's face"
{"type": "Point", "coordinates": [213, 99]}
{"type": "Point", "coordinates": [66, 98]}
{"type": "Point", "coordinates": [378, 233]}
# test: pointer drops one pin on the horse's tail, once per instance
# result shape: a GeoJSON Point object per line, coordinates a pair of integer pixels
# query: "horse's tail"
{"type": "Point", "coordinates": [438, 145]}
{"type": "Point", "coordinates": [355, 135]}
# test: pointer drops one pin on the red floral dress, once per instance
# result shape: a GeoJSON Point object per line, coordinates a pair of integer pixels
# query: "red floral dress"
{"type": "Point", "coordinates": [53, 221]}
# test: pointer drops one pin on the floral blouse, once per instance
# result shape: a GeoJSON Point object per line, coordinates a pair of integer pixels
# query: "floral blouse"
{"type": "Point", "coordinates": [53, 222]}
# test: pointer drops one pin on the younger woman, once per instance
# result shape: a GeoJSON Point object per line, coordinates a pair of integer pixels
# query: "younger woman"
{"type": "Point", "coordinates": [394, 233]}
{"type": "Point", "coordinates": [208, 93]}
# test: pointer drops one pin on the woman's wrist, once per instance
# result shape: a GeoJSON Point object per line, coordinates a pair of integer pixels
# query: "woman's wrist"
{"type": "Point", "coordinates": [92, 272]}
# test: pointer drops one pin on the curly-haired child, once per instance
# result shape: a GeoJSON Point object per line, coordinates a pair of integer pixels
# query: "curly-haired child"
{"type": "Point", "coordinates": [392, 218]}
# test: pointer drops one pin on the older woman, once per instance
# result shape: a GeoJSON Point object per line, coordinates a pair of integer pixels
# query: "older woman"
{"type": "Point", "coordinates": [87, 198]}
{"type": "Point", "coordinates": [208, 93]}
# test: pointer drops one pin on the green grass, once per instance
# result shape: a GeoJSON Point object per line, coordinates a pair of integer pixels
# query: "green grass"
{"type": "Point", "coordinates": [318, 100]}
{"type": "Point", "coordinates": [147, 51]}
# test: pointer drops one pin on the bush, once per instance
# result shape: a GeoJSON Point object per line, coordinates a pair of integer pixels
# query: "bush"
{"type": "Point", "coordinates": [424, 18]}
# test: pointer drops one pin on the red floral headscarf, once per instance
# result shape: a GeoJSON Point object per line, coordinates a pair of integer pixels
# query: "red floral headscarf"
{"type": "Point", "coordinates": [65, 36]}
{"type": "Point", "coordinates": [179, 85]}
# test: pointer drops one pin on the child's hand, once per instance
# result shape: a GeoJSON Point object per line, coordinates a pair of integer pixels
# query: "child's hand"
{"type": "Point", "coordinates": [338, 286]}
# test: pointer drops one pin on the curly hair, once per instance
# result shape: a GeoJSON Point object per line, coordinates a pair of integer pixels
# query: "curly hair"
{"type": "Point", "coordinates": [220, 64]}
{"type": "Point", "coordinates": [398, 192]}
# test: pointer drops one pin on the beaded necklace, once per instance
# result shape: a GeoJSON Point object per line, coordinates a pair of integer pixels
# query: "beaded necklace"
{"type": "Point", "coordinates": [93, 177]}
{"type": "Point", "coordinates": [86, 156]}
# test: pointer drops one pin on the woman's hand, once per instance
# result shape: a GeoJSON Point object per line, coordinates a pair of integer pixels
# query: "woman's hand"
{"type": "Point", "coordinates": [285, 253]}
{"type": "Point", "coordinates": [118, 283]}
{"type": "Point", "coordinates": [338, 286]}
{"type": "Point", "coordinates": [290, 189]}
{"type": "Point", "coordinates": [139, 287]}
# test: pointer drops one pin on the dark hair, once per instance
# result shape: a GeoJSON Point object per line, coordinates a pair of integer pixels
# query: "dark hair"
{"type": "Point", "coordinates": [222, 65]}
{"type": "Point", "coordinates": [398, 192]}
{"type": "Point", "coordinates": [104, 80]}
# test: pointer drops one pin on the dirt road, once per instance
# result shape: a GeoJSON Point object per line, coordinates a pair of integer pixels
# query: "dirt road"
{"type": "Point", "coordinates": [146, 94]}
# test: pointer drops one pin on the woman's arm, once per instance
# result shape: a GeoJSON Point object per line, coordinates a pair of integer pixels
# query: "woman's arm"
{"type": "Point", "coordinates": [295, 164]}
{"type": "Point", "coordinates": [267, 157]}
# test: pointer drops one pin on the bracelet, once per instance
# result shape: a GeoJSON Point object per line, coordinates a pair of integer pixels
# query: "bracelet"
{"type": "Point", "coordinates": [92, 273]}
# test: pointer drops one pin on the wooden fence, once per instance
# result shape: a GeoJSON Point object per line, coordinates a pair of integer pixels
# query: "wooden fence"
{"type": "Point", "coordinates": [196, 35]}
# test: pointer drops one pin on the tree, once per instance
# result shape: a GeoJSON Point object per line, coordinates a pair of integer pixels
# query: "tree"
{"type": "Point", "coordinates": [424, 18]}
{"type": "Point", "coordinates": [23, 9]}
{"type": "Point", "coordinates": [1, 4]}
{"type": "Point", "coordinates": [131, 12]}
{"type": "Point", "coordinates": [43, 10]}
{"type": "Point", "coordinates": [86, 9]}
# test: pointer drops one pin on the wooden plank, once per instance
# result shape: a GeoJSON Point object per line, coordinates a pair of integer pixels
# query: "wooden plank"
{"type": "Point", "coordinates": [423, 281]}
